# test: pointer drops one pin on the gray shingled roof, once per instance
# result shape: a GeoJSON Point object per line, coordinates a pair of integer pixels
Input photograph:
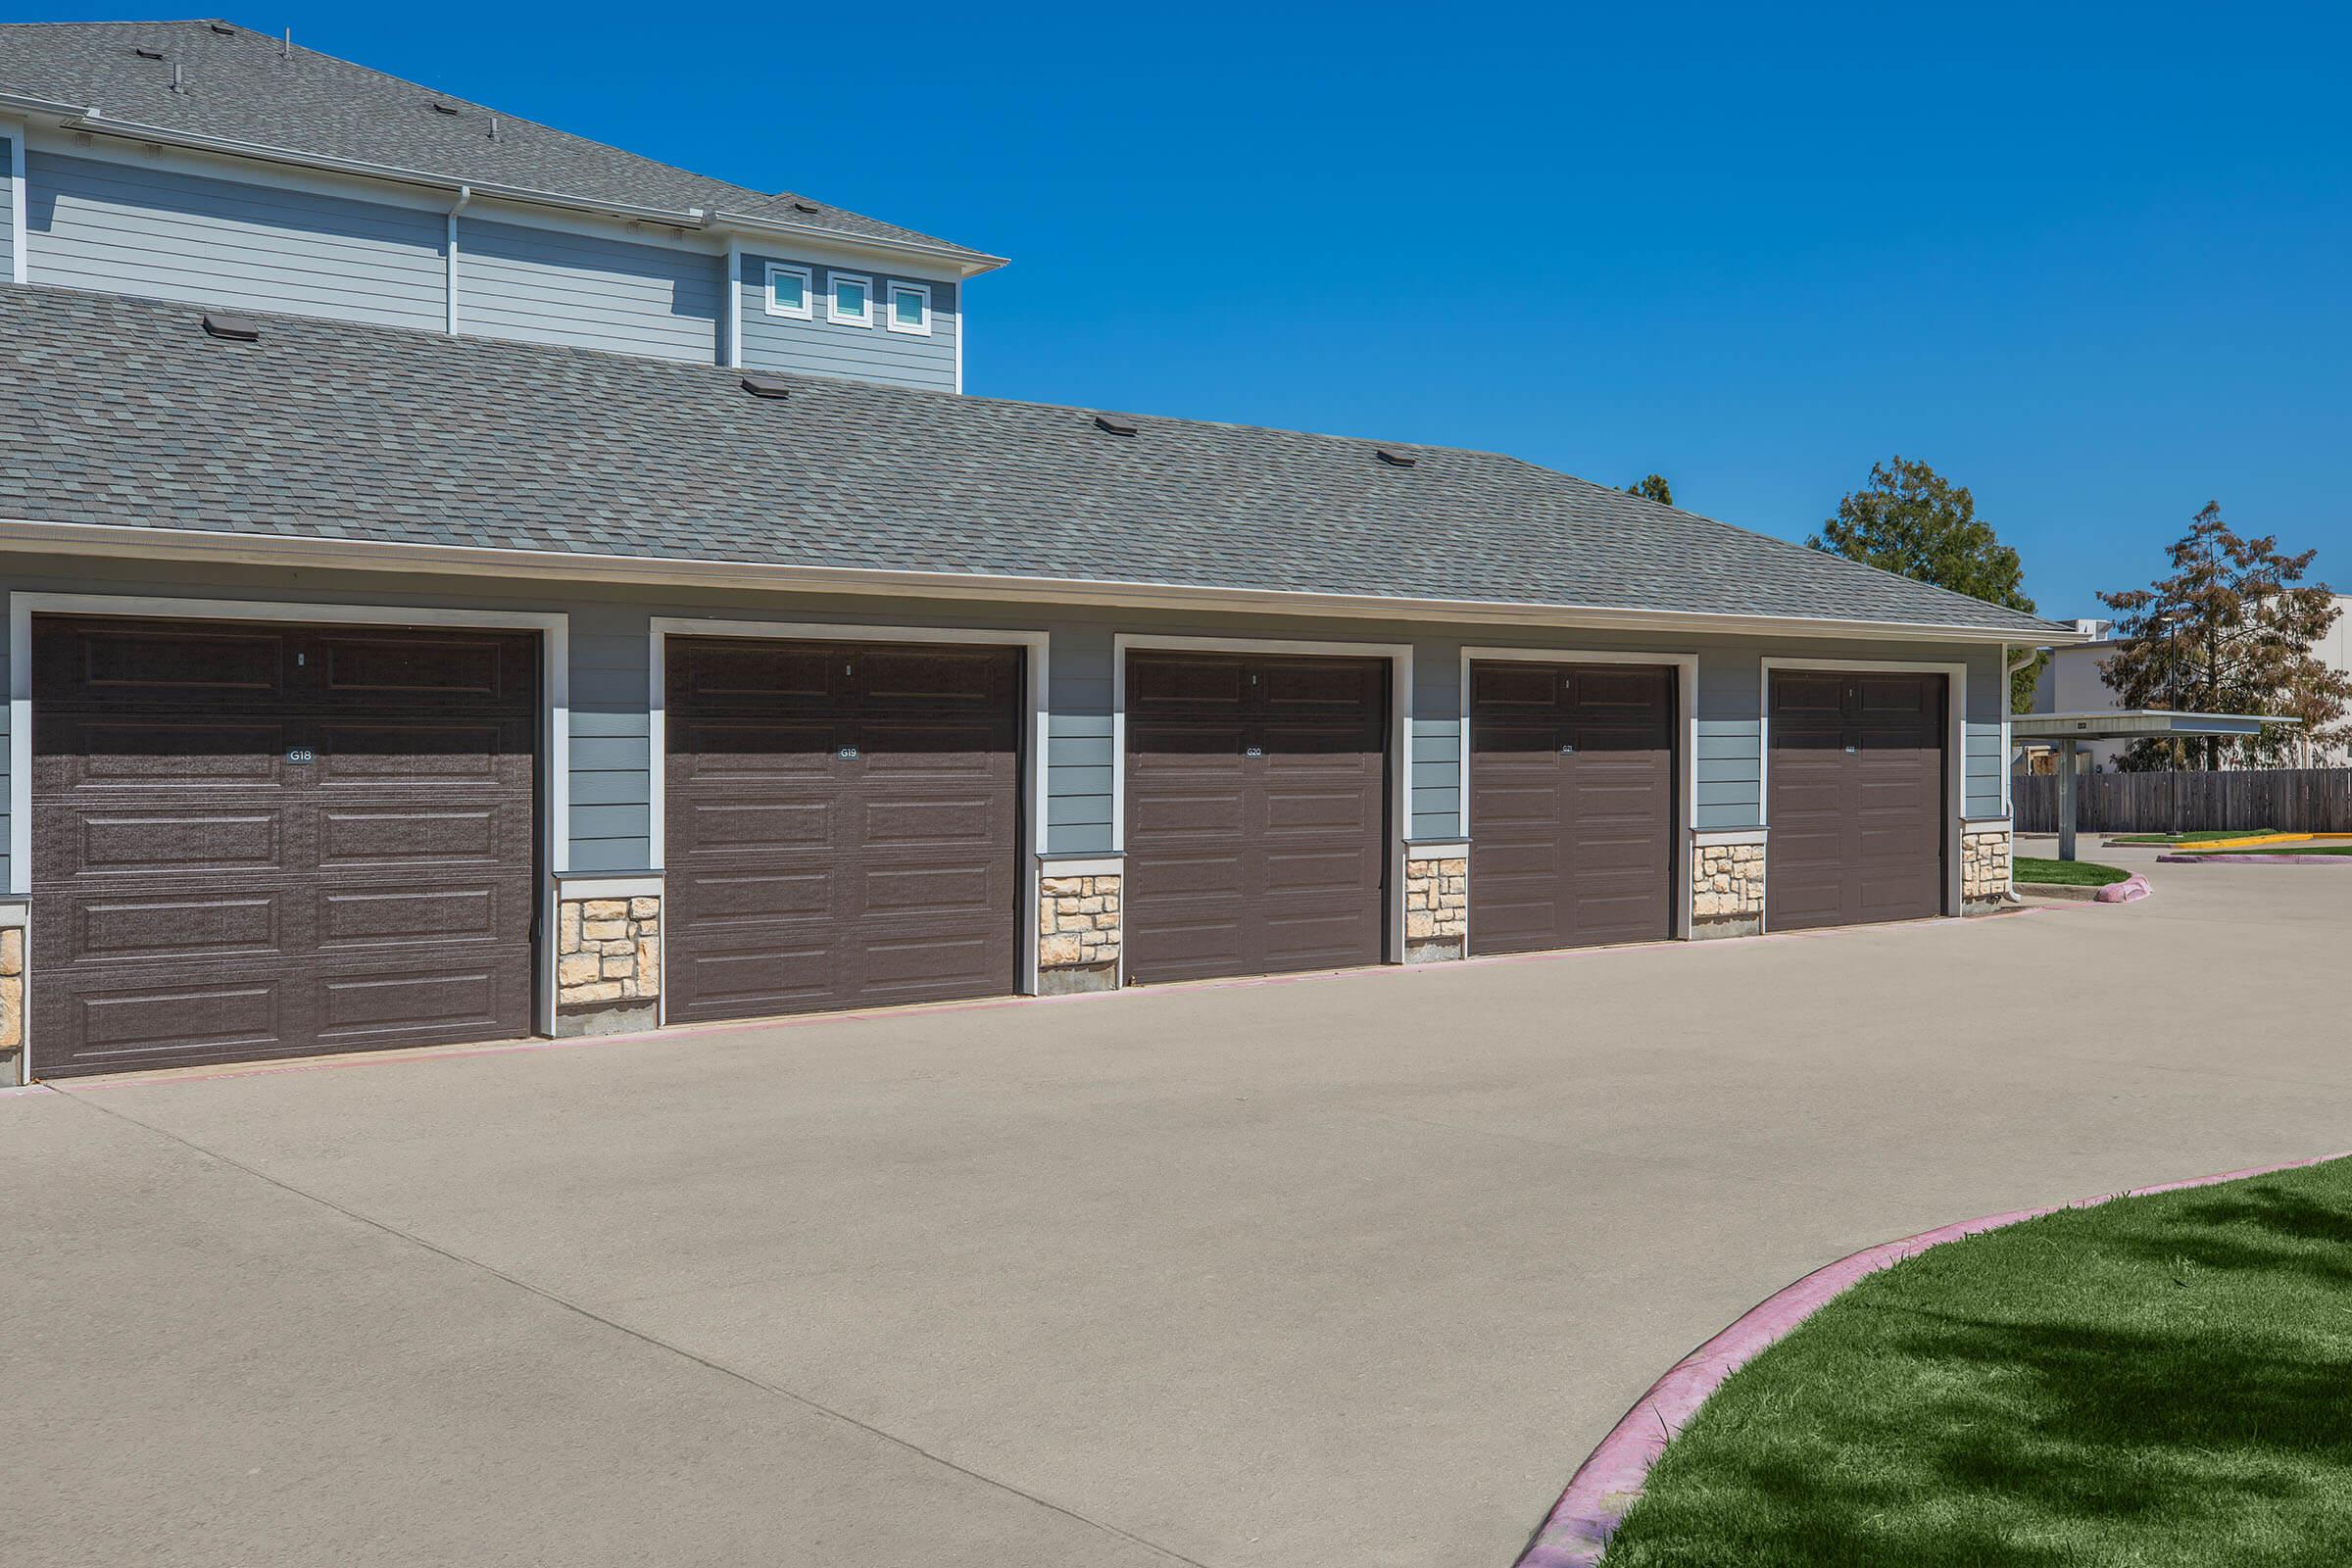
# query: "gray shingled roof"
{"type": "Point", "coordinates": [238, 87]}
{"type": "Point", "coordinates": [124, 411]}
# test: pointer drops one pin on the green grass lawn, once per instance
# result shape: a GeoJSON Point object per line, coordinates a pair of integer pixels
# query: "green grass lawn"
{"type": "Point", "coordinates": [2198, 836]}
{"type": "Point", "coordinates": [2158, 1381]}
{"type": "Point", "coordinates": [2072, 873]}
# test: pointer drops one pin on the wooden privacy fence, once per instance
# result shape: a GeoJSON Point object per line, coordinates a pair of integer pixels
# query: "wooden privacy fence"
{"type": "Point", "coordinates": [2293, 800]}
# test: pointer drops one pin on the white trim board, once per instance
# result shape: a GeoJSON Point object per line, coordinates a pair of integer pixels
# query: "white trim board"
{"type": "Point", "coordinates": [1036, 643]}
{"type": "Point", "coordinates": [250, 549]}
{"type": "Point", "coordinates": [1401, 743]}
{"type": "Point", "coordinates": [573, 888]}
{"type": "Point", "coordinates": [1685, 664]}
{"type": "Point", "coordinates": [555, 720]}
{"type": "Point", "coordinates": [1955, 748]}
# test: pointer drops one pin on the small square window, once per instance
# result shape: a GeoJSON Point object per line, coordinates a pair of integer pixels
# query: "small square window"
{"type": "Point", "coordinates": [853, 299]}
{"type": "Point", "coordinates": [910, 309]}
{"type": "Point", "coordinates": [791, 291]}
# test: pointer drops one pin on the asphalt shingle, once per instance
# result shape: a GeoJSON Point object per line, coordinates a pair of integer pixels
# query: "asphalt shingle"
{"type": "Point", "coordinates": [238, 86]}
{"type": "Point", "coordinates": [125, 410]}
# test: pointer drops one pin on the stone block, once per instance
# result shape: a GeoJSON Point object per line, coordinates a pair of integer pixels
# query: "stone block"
{"type": "Point", "coordinates": [615, 929]}
{"type": "Point", "coordinates": [576, 968]}
{"type": "Point", "coordinates": [567, 922]}
{"type": "Point", "coordinates": [1055, 950]}
{"type": "Point", "coordinates": [644, 908]}
{"type": "Point", "coordinates": [620, 965]}
{"type": "Point", "coordinates": [605, 909]}
{"type": "Point", "coordinates": [12, 951]}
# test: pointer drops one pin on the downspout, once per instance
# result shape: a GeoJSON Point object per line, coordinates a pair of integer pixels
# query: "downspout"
{"type": "Point", "coordinates": [449, 283]}
{"type": "Point", "coordinates": [734, 303]}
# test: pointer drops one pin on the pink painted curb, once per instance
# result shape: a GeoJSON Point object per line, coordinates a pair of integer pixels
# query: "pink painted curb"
{"type": "Point", "coordinates": [2130, 888]}
{"type": "Point", "coordinates": [1607, 1484]}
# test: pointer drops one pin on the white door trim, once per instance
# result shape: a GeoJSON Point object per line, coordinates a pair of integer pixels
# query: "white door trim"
{"type": "Point", "coordinates": [1035, 715]}
{"type": "Point", "coordinates": [1685, 664]}
{"type": "Point", "coordinates": [1955, 748]}
{"type": "Point", "coordinates": [555, 724]}
{"type": "Point", "coordinates": [1400, 748]}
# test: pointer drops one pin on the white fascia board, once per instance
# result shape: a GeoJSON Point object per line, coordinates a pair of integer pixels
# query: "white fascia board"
{"type": "Point", "coordinates": [253, 549]}
{"type": "Point", "coordinates": [965, 264]}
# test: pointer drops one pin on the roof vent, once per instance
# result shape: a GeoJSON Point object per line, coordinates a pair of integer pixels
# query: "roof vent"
{"type": "Point", "coordinates": [442, 106]}
{"type": "Point", "coordinates": [236, 329]}
{"type": "Point", "coordinates": [1104, 422]}
{"type": "Point", "coordinates": [149, 54]}
{"type": "Point", "coordinates": [803, 207]}
{"type": "Point", "coordinates": [224, 30]}
{"type": "Point", "coordinates": [767, 387]}
{"type": "Point", "coordinates": [1396, 460]}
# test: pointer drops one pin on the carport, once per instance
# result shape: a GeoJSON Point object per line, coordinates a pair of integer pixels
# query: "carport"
{"type": "Point", "coordinates": [2065, 732]}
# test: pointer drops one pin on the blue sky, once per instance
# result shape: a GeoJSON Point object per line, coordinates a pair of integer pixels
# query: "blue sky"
{"type": "Point", "coordinates": [2095, 263]}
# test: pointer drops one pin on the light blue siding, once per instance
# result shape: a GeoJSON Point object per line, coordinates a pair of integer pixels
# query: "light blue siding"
{"type": "Point", "coordinates": [539, 285]}
{"type": "Point", "coordinates": [1435, 728]}
{"type": "Point", "coordinates": [1079, 748]}
{"type": "Point", "coordinates": [1730, 751]}
{"type": "Point", "coordinates": [8, 211]}
{"type": "Point", "coordinates": [820, 346]}
{"type": "Point", "coordinates": [127, 229]}
{"type": "Point", "coordinates": [612, 750]}
{"type": "Point", "coordinates": [1985, 763]}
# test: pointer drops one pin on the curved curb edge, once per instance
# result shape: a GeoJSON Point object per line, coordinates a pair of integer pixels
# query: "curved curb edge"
{"type": "Point", "coordinates": [2130, 888]}
{"type": "Point", "coordinates": [1608, 1483]}
{"type": "Point", "coordinates": [2251, 859]}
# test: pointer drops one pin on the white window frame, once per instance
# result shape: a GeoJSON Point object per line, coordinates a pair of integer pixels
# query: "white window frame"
{"type": "Point", "coordinates": [890, 306]}
{"type": "Point", "coordinates": [808, 278]}
{"type": "Point", "coordinates": [833, 282]}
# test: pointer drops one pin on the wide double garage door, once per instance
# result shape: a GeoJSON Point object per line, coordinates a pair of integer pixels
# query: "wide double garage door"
{"type": "Point", "coordinates": [842, 823]}
{"type": "Point", "coordinates": [259, 841]}
{"type": "Point", "coordinates": [1856, 798]}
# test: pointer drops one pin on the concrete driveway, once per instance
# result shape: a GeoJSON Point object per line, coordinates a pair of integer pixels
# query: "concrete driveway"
{"type": "Point", "coordinates": [1343, 1270]}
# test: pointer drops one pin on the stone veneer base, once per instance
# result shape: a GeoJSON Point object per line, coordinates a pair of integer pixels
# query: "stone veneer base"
{"type": "Point", "coordinates": [1738, 925]}
{"type": "Point", "coordinates": [1078, 979]}
{"type": "Point", "coordinates": [607, 1018]}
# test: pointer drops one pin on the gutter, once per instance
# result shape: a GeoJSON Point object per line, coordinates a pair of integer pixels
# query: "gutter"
{"type": "Point", "coordinates": [26, 535]}
{"type": "Point", "coordinates": [88, 118]}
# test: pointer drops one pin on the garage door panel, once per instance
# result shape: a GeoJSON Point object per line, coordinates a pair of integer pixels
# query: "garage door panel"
{"type": "Point", "coordinates": [1856, 798]}
{"type": "Point", "coordinates": [1256, 823]}
{"type": "Point", "coordinates": [843, 823]}
{"type": "Point", "coordinates": [1572, 810]}
{"type": "Point", "coordinates": [206, 926]}
{"type": "Point", "coordinates": [157, 663]}
{"type": "Point", "coordinates": [158, 754]}
{"type": "Point", "coordinates": [399, 861]}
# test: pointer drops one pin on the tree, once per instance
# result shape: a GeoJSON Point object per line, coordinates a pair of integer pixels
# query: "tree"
{"type": "Point", "coordinates": [1652, 487]}
{"type": "Point", "coordinates": [1911, 520]}
{"type": "Point", "coordinates": [2228, 632]}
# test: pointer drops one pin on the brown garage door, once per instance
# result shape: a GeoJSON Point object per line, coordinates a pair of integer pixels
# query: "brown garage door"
{"type": "Point", "coordinates": [1571, 805]}
{"type": "Point", "coordinates": [266, 841]}
{"type": "Point", "coordinates": [1257, 823]}
{"type": "Point", "coordinates": [1856, 802]}
{"type": "Point", "coordinates": [844, 825]}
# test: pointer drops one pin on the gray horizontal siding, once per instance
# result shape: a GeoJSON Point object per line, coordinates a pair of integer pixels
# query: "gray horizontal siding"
{"type": "Point", "coordinates": [611, 748]}
{"type": "Point", "coordinates": [8, 211]}
{"type": "Point", "coordinates": [1079, 750]}
{"type": "Point", "coordinates": [1985, 762]}
{"type": "Point", "coordinates": [1729, 756]}
{"type": "Point", "coordinates": [126, 228]}
{"type": "Point", "coordinates": [820, 347]}
{"type": "Point", "coordinates": [1434, 727]}
{"type": "Point", "coordinates": [537, 285]}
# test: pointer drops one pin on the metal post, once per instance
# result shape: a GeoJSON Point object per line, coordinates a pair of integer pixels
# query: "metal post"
{"type": "Point", "coordinates": [2066, 800]}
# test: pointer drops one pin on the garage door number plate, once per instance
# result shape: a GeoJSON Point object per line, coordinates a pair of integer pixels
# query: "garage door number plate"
{"type": "Point", "coordinates": [301, 755]}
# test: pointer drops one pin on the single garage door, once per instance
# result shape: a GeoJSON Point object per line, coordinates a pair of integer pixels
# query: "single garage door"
{"type": "Point", "coordinates": [1856, 802]}
{"type": "Point", "coordinates": [844, 825]}
{"type": "Point", "coordinates": [1258, 821]}
{"type": "Point", "coordinates": [1572, 797]}
{"type": "Point", "coordinates": [260, 839]}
